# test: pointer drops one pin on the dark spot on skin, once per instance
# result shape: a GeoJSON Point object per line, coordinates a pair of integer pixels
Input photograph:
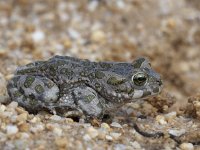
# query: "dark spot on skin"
{"type": "Point", "coordinates": [146, 93]}
{"type": "Point", "coordinates": [75, 66]}
{"type": "Point", "coordinates": [99, 75]}
{"type": "Point", "coordinates": [105, 65]}
{"type": "Point", "coordinates": [39, 89]}
{"type": "Point", "coordinates": [28, 70]}
{"type": "Point", "coordinates": [49, 84]}
{"type": "Point", "coordinates": [43, 67]}
{"type": "Point", "coordinates": [60, 63]}
{"type": "Point", "coordinates": [30, 65]}
{"type": "Point", "coordinates": [17, 94]}
{"type": "Point", "coordinates": [121, 89]}
{"type": "Point", "coordinates": [91, 76]}
{"type": "Point", "coordinates": [156, 90]}
{"type": "Point", "coordinates": [89, 98]}
{"type": "Point", "coordinates": [21, 72]}
{"type": "Point", "coordinates": [98, 86]}
{"type": "Point", "coordinates": [52, 70]}
{"type": "Point", "coordinates": [137, 63]}
{"type": "Point", "coordinates": [38, 63]}
{"type": "Point", "coordinates": [32, 96]}
{"type": "Point", "coordinates": [28, 82]}
{"type": "Point", "coordinates": [33, 102]}
{"type": "Point", "coordinates": [130, 90]}
{"type": "Point", "coordinates": [66, 72]}
{"type": "Point", "coordinates": [86, 63]}
{"type": "Point", "coordinates": [115, 81]}
{"type": "Point", "coordinates": [84, 73]}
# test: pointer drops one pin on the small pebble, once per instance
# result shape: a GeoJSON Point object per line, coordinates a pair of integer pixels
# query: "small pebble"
{"type": "Point", "coordinates": [161, 120]}
{"type": "Point", "coordinates": [92, 5]}
{"type": "Point", "coordinates": [116, 125]}
{"type": "Point", "coordinates": [67, 43]}
{"type": "Point", "coordinates": [55, 118]}
{"type": "Point", "coordinates": [37, 128]}
{"type": "Point", "coordinates": [3, 52]}
{"type": "Point", "coordinates": [73, 33]}
{"type": "Point", "coordinates": [109, 138]}
{"type": "Point", "coordinates": [92, 132]}
{"type": "Point", "coordinates": [24, 127]}
{"type": "Point", "coordinates": [120, 4]}
{"type": "Point", "coordinates": [24, 135]}
{"type": "Point", "coordinates": [11, 129]}
{"type": "Point", "coordinates": [2, 108]}
{"type": "Point", "coordinates": [13, 105]}
{"type": "Point", "coordinates": [57, 131]}
{"type": "Point", "coordinates": [61, 142]}
{"type": "Point", "coordinates": [22, 117]}
{"type": "Point", "coordinates": [86, 137]}
{"type": "Point", "coordinates": [50, 126]}
{"type": "Point", "coordinates": [115, 135]}
{"type": "Point", "coordinates": [3, 89]}
{"type": "Point", "coordinates": [69, 120]}
{"type": "Point", "coordinates": [35, 119]}
{"type": "Point", "coordinates": [102, 134]}
{"type": "Point", "coordinates": [170, 116]}
{"type": "Point", "coordinates": [9, 76]}
{"type": "Point", "coordinates": [177, 132]}
{"type": "Point", "coordinates": [20, 110]}
{"type": "Point", "coordinates": [197, 108]}
{"type": "Point", "coordinates": [98, 36]}
{"type": "Point", "coordinates": [187, 146]}
{"type": "Point", "coordinates": [38, 36]}
{"type": "Point", "coordinates": [136, 145]}
{"type": "Point", "coordinates": [105, 126]}
{"type": "Point", "coordinates": [120, 147]}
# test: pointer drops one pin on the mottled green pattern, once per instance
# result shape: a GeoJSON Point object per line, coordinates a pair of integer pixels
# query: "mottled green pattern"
{"type": "Point", "coordinates": [52, 70]}
{"type": "Point", "coordinates": [89, 98]}
{"type": "Point", "coordinates": [99, 75]}
{"type": "Point", "coordinates": [49, 84]}
{"type": "Point", "coordinates": [39, 89]}
{"type": "Point", "coordinates": [66, 71]}
{"type": "Point", "coordinates": [115, 81]}
{"type": "Point", "coordinates": [28, 82]}
{"type": "Point", "coordinates": [17, 94]}
{"type": "Point", "coordinates": [105, 65]}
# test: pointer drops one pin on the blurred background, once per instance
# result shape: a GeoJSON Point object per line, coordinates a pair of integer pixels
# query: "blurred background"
{"type": "Point", "coordinates": [165, 31]}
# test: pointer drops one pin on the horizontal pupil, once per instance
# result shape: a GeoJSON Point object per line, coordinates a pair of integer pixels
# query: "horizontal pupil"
{"type": "Point", "coordinates": [141, 79]}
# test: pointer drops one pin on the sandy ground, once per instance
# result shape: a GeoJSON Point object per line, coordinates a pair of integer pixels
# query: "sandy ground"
{"type": "Point", "coordinates": [165, 31]}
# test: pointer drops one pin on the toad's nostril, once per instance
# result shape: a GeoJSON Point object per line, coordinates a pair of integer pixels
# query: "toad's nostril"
{"type": "Point", "coordinates": [159, 82]}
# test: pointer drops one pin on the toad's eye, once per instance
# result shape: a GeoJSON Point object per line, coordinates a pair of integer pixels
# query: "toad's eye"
{"type": "Point", "coordinates": [139, 79]}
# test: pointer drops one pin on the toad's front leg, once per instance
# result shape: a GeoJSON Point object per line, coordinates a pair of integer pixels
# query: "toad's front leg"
{"type": "Point", "coordinates": [89, 102]}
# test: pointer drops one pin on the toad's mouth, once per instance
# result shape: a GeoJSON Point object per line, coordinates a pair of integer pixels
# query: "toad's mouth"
{"type": "Point", "coordinates": [147, 92]}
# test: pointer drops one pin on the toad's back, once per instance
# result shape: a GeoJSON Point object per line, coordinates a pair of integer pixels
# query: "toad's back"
{"type": "Point", "coordinates": [72, 67]}
{"type": "Point", "coordinates": [53, 64]}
